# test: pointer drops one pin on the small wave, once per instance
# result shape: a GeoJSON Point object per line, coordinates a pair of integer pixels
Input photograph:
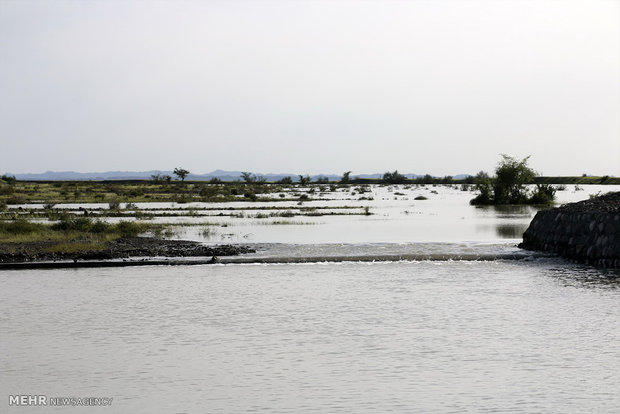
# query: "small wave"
{"type": "Point", "coordinates": [275, 260]}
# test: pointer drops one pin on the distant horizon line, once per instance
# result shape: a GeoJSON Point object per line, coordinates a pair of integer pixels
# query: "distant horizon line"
{"type": "Point", "coordinates": [228, 174]}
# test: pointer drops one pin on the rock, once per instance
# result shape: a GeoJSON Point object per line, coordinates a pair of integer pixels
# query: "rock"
{"type": "Point", "coordinates": [586, 232]}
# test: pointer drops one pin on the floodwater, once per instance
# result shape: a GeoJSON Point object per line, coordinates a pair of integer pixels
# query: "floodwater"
{"type": "Point", "coordinates": [532, 335]}
{"type": "Point", "coordinates": [504, 336]}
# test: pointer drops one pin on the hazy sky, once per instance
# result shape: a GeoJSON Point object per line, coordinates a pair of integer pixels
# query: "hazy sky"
{"type": "Point", "coordinates": [438, 87]}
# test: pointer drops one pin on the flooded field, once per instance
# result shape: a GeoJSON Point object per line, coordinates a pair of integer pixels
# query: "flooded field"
{"type": "Point", "coordinates": [531, 335]}
{"type": "Point", "coordinates": [347, 215]}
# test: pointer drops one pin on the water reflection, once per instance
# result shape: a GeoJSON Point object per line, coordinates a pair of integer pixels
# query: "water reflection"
{"type": "Point", "coordinates": [510, 231]}
{"type": "Point", "coordinates": [508, 211]}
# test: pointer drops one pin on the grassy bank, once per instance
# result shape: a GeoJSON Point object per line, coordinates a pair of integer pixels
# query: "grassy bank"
{"type": "Point", "coordinates": [69, 235]}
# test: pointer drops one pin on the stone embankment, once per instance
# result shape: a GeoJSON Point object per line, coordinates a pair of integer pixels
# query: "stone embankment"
{"type": "Point", "coordinates": [586, 232]}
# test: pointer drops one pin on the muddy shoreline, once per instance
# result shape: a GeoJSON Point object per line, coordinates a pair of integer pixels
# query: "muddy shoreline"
{"type": "Point", "coordinates": [124, 248]}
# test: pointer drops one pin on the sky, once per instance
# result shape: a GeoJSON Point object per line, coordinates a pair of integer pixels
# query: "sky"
{"type": "Point", "coordinates": [291, 86]}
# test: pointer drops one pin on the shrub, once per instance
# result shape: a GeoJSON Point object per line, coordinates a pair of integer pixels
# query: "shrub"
{"type": "Point", "coordinates": [251, 195]}
{"type": "Point", "coordinates": [128, 228]}
{"type": "Point", "coordinates": [71, 223]}
{"type": "Point", "coordinates": [19, 226]}
{"type": "Point", "coordinates": [511, 177]}
{"type": "Point", "coordinates": [16, 199]}
{"type": "Point", "coordinates": [322, 180]}
{"type": "Point", "coordinates": [99, 227]}
{"type": "Point", "coordinates": [6, 189]}
{"type": "Point", "coordinates": [544, 194]}
{"type": "Point", "coordinates": [394, 177]}
{"type": "Point", "coordinates": [9, 179]}
{"type": "Point", "coordinates": [483, 186]}
{"type": "Point", "coordinates": [509, 185]}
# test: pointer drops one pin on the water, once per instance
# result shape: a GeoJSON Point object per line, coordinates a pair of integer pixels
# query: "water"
{"type": "Point", "coordinates": [529, 335]}
{"type": "Point", "coordinates": [445, 217]}
{"type": "Point", "coordinates": [504, 336]}
{"type": "Point", "coordinates": [396, 217]}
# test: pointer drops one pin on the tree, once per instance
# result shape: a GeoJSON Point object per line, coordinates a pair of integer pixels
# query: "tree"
{"type": "Point", "coordinates": [304, 180]}
{"type": "Point", "coordinates": [394, 177]}
{"type": "Point", "coordinates": [9, 179]}
{"type": "Point", "coordinates": [509, 184]}
{"type": "Point", "coordinates": [511, 176]}
{"type": "Point", "coordinates": [345, 177]}
{"type": "Point", "coordinates": [322, 180]}
{"type": "Point", "coordinates": [248, 177]}
{"type": "Point", "coordinates": [484, 188]}
{"type": "Point", "coordinates": [181, 173]}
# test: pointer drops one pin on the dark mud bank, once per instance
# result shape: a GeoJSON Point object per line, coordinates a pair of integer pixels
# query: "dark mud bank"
{"type": "Point", "coordinates": [119, 249]}
{"type": "Point", "coordinates": [585, 232]}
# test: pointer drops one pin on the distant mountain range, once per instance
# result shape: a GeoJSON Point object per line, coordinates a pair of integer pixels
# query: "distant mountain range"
{"type": "Point", "coordinates": [145, 175]}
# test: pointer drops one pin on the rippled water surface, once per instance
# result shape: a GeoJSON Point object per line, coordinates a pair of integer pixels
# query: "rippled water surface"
{"type": "Point", "coordinates": [502, 336]}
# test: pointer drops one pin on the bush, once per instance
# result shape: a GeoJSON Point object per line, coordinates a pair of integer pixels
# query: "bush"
{"type": "Point", "coordinates": [250, 195]}
{"type": "Point", "coordinates": [16, 199]}
{"type": "Point", "coordinates": [71, 223]}
{"type": "Point", "coordinates": [19, 226]}
{"type": "Point", "coordinates": [509, 185]}
{"type": "Point", "coordinates": [544, 194]}
{"type": "Point", "coordinates": [394, 178]}
{"type": "Point", "coordinates": [483, 185]}
{"type": "Point", "coordinates": [6, 189]}
{"type": "Point", "coordinates": [9, 179]}
{"type": "Point", "coordinates": [128, 228]}
{"type": "Point", "coordinates": [511, 177]}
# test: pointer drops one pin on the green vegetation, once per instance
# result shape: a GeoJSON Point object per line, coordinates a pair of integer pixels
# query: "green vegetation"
{"type": "Point", "coordinates": [181, 173]}
{"type": "Point", "coordinates": [161, 188]}
{"type": "Point", "coordinates": [509, 185]}
{"type": "Point", "coordinates": [9, 179]}
{"type": "Point", "coordinates": [71, 230]}
{"type": "Point", "coordinates": [346, 177]}
{"type": "Point", "coordinates": [393, 178]}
